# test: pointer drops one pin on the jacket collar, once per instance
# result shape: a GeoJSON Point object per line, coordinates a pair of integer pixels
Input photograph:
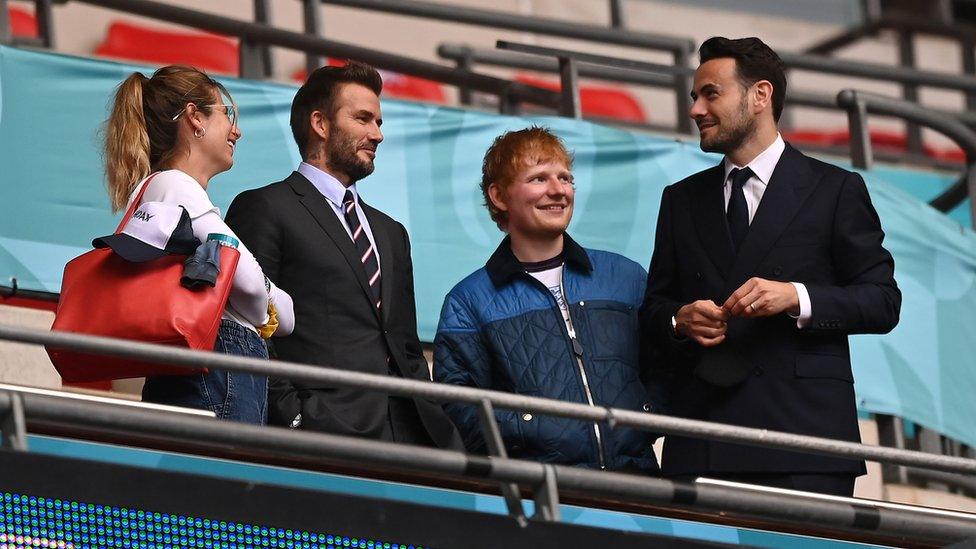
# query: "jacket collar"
{"type": "Point", "coordinates": [502, 266]}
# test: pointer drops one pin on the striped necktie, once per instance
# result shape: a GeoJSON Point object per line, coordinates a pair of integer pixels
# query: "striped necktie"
{"type": "Point", "coordinates": [367, 252]}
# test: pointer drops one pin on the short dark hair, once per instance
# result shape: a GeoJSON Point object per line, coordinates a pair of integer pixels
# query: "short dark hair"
{"type": "Point", "coordinates": [754, 61]}
{"type": "Point", "coordinates": [318, 93]}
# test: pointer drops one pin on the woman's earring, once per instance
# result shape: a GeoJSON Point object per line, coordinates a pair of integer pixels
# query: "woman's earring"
{"type": "Point", "coordinates": [199, 133]}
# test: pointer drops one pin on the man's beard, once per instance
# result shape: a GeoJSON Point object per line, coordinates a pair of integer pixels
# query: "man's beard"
{"type": "Point", "coordinates": [735, 133]}
{"type": "Point", "coordinates": [342, 156]}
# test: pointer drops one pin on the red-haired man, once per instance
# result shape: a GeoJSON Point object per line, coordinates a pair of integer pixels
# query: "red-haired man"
{"type": "Point", "coordinates": [545, 317]}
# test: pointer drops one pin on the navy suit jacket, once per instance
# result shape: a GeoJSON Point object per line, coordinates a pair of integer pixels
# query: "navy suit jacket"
{"type": "Point", "coordinates": [815, 225]}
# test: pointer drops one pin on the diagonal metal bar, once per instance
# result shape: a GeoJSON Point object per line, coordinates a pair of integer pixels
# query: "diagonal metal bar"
{"type": "Point", "coordinates": [496, 447]}
{"type": "Point", "coordinates": [13, 426]}
{"type": "Point", "coordinates": [547, 497]}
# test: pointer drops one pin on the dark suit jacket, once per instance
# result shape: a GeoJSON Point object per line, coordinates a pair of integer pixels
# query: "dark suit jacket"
{"type": "Point", "coordinates": [815, 225]}
{"type": "Point", "coordinates": [302, 247]}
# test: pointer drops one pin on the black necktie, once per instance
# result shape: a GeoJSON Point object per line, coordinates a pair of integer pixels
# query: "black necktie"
{"type": "Point", "coordinates": [367, 253]}
{"type": "Point", "coordinates": [738, 211]}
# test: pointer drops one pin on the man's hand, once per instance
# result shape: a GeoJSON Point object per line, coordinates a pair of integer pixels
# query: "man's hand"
{"type": "Point", "coordinates": [760, 297]}
{"type": "Point", "coordinates": [703, 321]}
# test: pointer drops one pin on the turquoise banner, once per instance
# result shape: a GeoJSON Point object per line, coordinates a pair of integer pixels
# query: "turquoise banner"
{"type": "Point", "coordinates": [428, 169]}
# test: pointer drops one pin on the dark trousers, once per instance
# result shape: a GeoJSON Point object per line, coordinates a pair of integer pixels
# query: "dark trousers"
{"type": "Point", "coordinates": [833, 484]}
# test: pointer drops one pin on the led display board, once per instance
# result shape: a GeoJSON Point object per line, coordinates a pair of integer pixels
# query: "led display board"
{"type": "Point", "coordinates": [57, 502]}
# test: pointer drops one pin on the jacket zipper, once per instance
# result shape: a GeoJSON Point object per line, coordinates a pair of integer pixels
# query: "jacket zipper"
{"type": "Point", "coordinates": [577, 349]}
{"type": "Point", "coordinates": [578, 354]}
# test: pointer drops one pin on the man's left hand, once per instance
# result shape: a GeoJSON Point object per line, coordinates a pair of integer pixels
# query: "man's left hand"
{"type": "Point", "coordinates": [760, 297]}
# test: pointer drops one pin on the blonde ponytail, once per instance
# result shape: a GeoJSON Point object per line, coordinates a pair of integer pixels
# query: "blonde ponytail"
{"type": "Point", "coordinates": [126, 142]}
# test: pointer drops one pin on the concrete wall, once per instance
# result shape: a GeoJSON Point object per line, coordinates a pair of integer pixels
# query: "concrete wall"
{"type": "Point", "coordinates": [23, 364]}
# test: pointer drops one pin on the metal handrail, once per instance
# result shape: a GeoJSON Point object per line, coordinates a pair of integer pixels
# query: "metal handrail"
{"type": "Point", "coordinates": [453, 393]}
{"type": "Point", "coordinates": [254, 34]}
{"type": "Point", "coordinates": [679, 48]}
{"type": "Point", "coordinates": [860, 139]}
{"type": "Point", "coordinates": [918, 525]}
{"type": "Point", "coordinates": [516, 22]}
{"type": "Point", "coordinates": [858, 104]}
{"type": "Point", "coordinates": [844, 514]}
{"type": "Point", "coordinates": [640, 73]}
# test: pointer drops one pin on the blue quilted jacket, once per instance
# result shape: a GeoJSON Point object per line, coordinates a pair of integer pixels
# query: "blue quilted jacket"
{"type": "Point", "coordinates": [501, 329]}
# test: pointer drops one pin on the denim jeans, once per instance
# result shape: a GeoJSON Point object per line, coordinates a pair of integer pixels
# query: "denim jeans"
{"type": "Point", "coordinates": [231, 395]}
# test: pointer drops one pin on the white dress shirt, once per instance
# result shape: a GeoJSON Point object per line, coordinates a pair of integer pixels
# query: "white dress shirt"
{"type": "Point", "coordinates": [334, 192]}
{"type": "Point", "coordinates": [762, 167]}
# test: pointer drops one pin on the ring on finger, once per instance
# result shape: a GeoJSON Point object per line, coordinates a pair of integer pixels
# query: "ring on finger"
{"type": "Point", "coordinates": [752, 306]}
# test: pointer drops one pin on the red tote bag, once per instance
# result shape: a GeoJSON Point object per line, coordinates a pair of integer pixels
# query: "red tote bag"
{"type": "Point", "coordinates": [105, 295]}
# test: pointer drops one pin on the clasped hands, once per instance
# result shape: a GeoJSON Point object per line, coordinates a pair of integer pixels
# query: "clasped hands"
{"type": "Point", "coordinates": [706, 322]}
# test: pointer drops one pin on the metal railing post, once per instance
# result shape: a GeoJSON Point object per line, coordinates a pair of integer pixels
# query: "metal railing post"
{"type": "Point", "coordinates": [931, 442]}
{"type": "Point", "coordinates": [313, 26]}
{"type": "Point", "coordinates": [252, 56]}
{"type": "Point", "coordinates": [971, 186]}
{"type": "Point", "coordinates": [12, 425]}
{"type": "Point", "coordinates": [857, 116]}
{"type": "Point", "coordinates": [682, 91]}
{"type": "Point", "coordinates": [617, 19]}
{"type": "Point", "coordinates": [968, 47]}
{"type": "Point", "coordinates": [262, 14]}
{"type": "Point", "coordinates": [6, 33]}
{"type": "Point", "coordinates": [569, 80]}
{"type": "Point", "coordinates": [45, 23]}
{"type": "Point", "coordinates": [496, 447]}
{"type": "Point", "coordinates": [906, 58]}
{"type": "Point", "coordinates": [547, 497]}
{"type": "Point", "coordinates": [891, 433]}
{"type": "Point", "coordinates": [465, 62]}
{"type": "Point", "coordinates": [508, 105]}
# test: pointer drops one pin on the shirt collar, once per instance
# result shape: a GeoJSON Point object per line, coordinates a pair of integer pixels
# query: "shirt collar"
{"type": "Point", "coordinates": [502, 266]}
{"type": "Point", "coordinates": [329, 186]}
{"type": "Point", "coordinates": [763, 164]}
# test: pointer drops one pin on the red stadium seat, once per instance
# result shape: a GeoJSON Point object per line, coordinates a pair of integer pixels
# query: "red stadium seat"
{"type": "Point", "coordinates": [209, 52]}
{"type": "Point", "coordinates": [396, 85]}
{"type": "Point", "coordinates": [598, 101]}
{"type": "Point", "coordinates": [22, 22]}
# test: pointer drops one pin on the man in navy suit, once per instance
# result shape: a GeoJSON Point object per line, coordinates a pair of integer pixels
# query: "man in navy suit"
{"type": "Point", "coordinates": [762, 267]}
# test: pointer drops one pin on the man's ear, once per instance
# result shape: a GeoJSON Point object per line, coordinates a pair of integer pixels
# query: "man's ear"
{"type": "Point", "coordinates": [762, 96]}
{"type": "Point", "coordinates": [319, 124]}
{"type": "Point", "coordinates": [496, 195]}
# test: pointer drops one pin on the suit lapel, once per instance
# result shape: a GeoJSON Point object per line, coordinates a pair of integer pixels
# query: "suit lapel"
{"type": "Point", "coordinates": [708, 209]}
{"type": "Point", "coordinates": [383, 247]}
{"type": "Point", "coordinates": [788, 188]}
{"type": "Point", "coordinates": [320, 209]}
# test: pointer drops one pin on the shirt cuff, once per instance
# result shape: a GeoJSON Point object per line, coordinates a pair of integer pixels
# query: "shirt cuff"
{"type": "Point", "coordinates": [803, 320]}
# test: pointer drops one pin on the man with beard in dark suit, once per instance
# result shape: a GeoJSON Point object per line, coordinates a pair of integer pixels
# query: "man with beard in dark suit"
{"type": "Point", "coordinates": [762, 267]}
{"type": "Point", "coordinates": [346, 264]}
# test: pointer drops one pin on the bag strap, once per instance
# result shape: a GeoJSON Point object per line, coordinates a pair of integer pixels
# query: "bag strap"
{"type": "Point", "coordinates": [135, 204]}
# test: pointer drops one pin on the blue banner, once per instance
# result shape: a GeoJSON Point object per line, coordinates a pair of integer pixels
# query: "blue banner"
{"type": "Point", "coordinates": [428, 169]}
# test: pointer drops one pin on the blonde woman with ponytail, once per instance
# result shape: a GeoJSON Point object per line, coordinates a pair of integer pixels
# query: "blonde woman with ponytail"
{"type": "Point", "coordinates": [181, 125]}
